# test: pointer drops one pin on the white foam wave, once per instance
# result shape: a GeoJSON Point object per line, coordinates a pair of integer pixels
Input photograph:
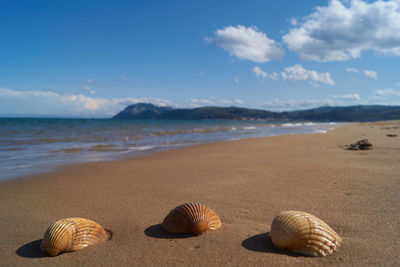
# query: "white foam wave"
{"type": "Point", "coordinates": [292, 124]}
{"type": "Point", "coordinates": [140, 148]}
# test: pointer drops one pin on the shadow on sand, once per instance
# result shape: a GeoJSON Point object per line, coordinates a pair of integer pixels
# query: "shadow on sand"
{"type": "Point", "coordinates": [31, 250]}
{"type": "Point", "coordinates": [263, 243]}
{"type": "Point", "coordinates": [156, 231]}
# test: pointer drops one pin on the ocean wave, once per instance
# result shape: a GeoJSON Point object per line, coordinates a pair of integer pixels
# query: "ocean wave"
{"type": "Point", "coordinates": [141, 148]}
{"type": "Point", "coordinates": [83, 140]}
{"type": "Point", "coordinates": [292, 124]}
{"type": "Point", "coordinates": [69, 150]}
{"type": "Point", "coordinates": [195, 130]}
{"type": "Point", "coordinates": [129, 138]}
{"type": "Point", "coordinates": [249, 128]}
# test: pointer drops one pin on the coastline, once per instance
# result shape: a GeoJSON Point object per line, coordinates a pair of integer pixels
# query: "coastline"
{"type": "Point", "coordinates": [247, 182]}
{"type": "Point", "coordinates": [51, 143]}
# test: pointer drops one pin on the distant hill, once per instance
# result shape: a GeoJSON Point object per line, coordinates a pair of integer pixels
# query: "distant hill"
{"type": "Point", "coordinates": [323, 114]}
{"type": "Point", "coordinates": [347, 114]}
{"type": "Point", "coordinates": [142, 111]}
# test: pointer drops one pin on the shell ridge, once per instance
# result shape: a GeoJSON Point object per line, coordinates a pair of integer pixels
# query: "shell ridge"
{"type": "Point", "coordinates": [319, 239]}
{"type": "Point", "coordinates": [317, 231]}
{"type": "Point", "coordinates": [327, 247]}
{"type": "Point", "coordinates": [304, 233]}
{"type": "Point", "coordinates": [193, 213]}
{"type": "Point", "coordinates": [58, 234]}
{"type": "Point", "coordinates": [321, 246]}
{"type": "Point", "coordinates": [315, 249]}
{"type": "Point", "coordinates": [175, 221]}
{"type": "Point", "coordinates": [191, 217]}
{"type": "Point", "coordinates": [74, 240]}
{"type": "Point", "coordinates": [87, 235]}
{"type": "Point", "coordinates": [214, 221]}
{"type": "Point", "coordinates": [72, 234]}
{"type": "Point", "coordinates": [283, 232]}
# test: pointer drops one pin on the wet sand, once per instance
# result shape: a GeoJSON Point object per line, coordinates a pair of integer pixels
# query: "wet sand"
{"type": "Point", "coordinates": [247, 182]}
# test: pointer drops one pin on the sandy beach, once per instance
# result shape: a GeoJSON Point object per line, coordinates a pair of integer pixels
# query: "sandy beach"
{"type": "Point", "coordinates": [247, 182]}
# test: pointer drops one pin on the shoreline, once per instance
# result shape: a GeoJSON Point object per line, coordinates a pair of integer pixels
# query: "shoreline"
{"type": "Point", "coordinates": [135, 153]}
{"type": "Point", "coordinates": [247, 182]}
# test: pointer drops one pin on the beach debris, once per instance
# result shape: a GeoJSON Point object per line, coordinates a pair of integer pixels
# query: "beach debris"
{"type": "Point", "coordinates": [303, 233]}
{"type": "Point", "coordinates": [391, 135]}
{"type": "Point", "coordinates": [360, 145]}
{"type": "Point", "coordinates": [71, 234]}
{"type": "Point", "coordinates": [191, 218]}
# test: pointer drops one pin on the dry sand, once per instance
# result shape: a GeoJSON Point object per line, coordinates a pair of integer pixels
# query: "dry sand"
{"type": "Point", "coordinates": [247, 182]}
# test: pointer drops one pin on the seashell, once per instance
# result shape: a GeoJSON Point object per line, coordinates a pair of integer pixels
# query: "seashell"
{"type": "Point", "coordinates": [72, 234]}
{"type": "Point", "coordinates": [191, 217]}
{"type": "Point", "coordinates": [303, 233]}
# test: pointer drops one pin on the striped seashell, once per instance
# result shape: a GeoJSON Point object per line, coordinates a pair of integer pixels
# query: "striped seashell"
{"type": "Point", "coordinates": [72, 234]}
{"type": "Point", "coordinates": [303, 233]}
{"type": "Point", "coordinates": [191, 217]}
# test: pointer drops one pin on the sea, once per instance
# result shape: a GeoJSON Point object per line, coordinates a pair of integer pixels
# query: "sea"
{"type": "Point", "coordinates": [35, 145]}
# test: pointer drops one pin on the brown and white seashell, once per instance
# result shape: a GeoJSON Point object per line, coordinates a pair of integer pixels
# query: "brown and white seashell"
{"type": "Point", "coordinates": [72, 234]}
{"type": "Point", "coordinates": [191, 217]}
{"type": "Point", "coordinates": [303, 233]}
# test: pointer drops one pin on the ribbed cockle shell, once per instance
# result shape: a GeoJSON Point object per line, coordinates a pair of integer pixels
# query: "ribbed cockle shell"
{"type": "Point", "coordinates": [191, 217]}
{"type": "Point", "coordinates": [72, 234]}
{"type": "Point", "coordinates": [303, 233]}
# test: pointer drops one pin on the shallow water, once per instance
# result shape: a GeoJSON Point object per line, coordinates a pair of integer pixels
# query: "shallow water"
{"type": "Point", "coordinates": [33, 145]}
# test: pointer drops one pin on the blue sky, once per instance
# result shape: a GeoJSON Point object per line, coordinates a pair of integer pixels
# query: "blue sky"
{"type": "Point", "coordinates": [92, 58]}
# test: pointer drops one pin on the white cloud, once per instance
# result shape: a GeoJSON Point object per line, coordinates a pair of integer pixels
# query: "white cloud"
{"type": "Point", "coordinates": [274, 76]}
{"type": "Point", "coordinates": [350, 97]}
{"type": "Point", "coordinates": [88, 89]}
{"type": "Point", "coordinates": [263, 75]}
{"type": "Point", "coordinates": [207, 102]}
{"type": "Point", "coordinates": [352, 70]}
{"type": "Point", "coordinates": [200, 102]}
{"type": "Point", "coordinates": [371, 74]}
{"type": "Point", "coordinates": [343, 29]}
{"type": "Point", "coordinates": [283, 105]}
{"type": "Point", "coordinates": [246, 43]}
{"type": "Point", "coordinates": [6, 92]}
{"type": "Point", "coordinates": [49, 102]}
{"type": "Point", "coordinates": [377, 97]}
{"type": "Point", "coordinates": [368, 73]}
{"type": "Point", "coordinates": [231, 102]}
{"type": "Point", "coordinates": [238, 101]}
{"type": "Point", "coordinates": [259, 72]}
{"type": "Point", "coordinates": [298, 73]}
{"type": "Point", "coordinates": [236, 80]}
{"type": "Point", "coordinates": [397, 84]}
{"type": "Point", "coordinates": [387, 92]}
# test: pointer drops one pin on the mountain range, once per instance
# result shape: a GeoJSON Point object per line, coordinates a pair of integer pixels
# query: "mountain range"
{"type": "Point", "coordinates": [322, 114]}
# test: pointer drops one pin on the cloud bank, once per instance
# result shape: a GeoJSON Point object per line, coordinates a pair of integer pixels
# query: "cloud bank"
{"type": "Point", "coordinates": [368, 73]}
{"type": "Point", "coordinates": [263, 75]}
{"type": "Point", "coordinates": [371, 74]}
{"type": "Point", "coordinates": [344, 29]}
{"type": "Point", "coordinates": [295, 104]}
{"type": "Point", "coordinates": [350, 97]}
{"type": "Point", "coordinates": [195, 103]}
{"type": "Point", "coordinates": [246, 43]}
{"type": "Point", "coordinates": [298, 73]}
{"type": "Point", "coordinates": [55, 103]}
{"type": "Point", "coordinates": [298, 104]}
{"type": "Point", "coordinates": [387, 93]}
